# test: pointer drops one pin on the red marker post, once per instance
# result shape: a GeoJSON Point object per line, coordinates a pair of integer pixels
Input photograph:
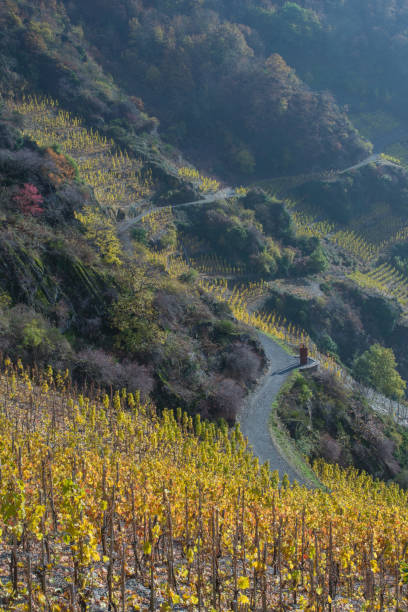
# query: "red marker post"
{"type": "Point", "coordinates": [304, 355]}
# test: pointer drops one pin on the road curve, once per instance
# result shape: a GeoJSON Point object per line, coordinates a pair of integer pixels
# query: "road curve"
{"type": "Point", "coordinates": [223, 194]}
{"type": "Point", "coordinates": [254, 418]}
{"type": "Point", "coordinates": [228, 192]}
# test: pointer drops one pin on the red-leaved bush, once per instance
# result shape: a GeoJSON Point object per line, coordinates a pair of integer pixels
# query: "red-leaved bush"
{"type": "Point", "coordinates": [29, 200]}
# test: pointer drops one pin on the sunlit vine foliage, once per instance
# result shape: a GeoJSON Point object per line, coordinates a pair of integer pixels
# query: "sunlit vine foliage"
{"type": "Point", "coordinates": [204, 183]}
{"type": "Point", "coordinates": [400, 236]}
{"type": "Point", "coordinates": [157, 221]}
{"type": "Point", "coordinates": [355, 245]}
{"type": "Point", "coordinates": [349, 241]}
{"type": "Point", "coordinates": [385, 279]}
{"type": "Point", "coordinates": [308, 226]}
{"type": "Point", "coordinates": [118, 180]}
{"type": "Point", "coordinates": [101, 231]}
{"type": "Point", "coordinates": [171, 261]}
{"type": "Point", "coordinates": [104, 503]}
{"type": "Point", "coordinates": [212, 264]}
{"type": "Point", "coordinates": [270, 323]}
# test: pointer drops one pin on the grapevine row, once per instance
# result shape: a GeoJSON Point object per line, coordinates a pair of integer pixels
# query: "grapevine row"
{"type": "Point", "coordinates": [106, 504]}
{"type": "Point", "coordinates": [118, 180]}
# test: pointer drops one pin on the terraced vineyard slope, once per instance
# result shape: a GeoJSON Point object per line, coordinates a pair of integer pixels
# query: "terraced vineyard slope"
{"type": "Point", "coordinates": [106, 504]}
{"type": "Point", "coordinates": [119, 181]}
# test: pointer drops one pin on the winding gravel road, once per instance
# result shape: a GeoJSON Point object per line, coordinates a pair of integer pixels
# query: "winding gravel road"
{"type": "Point", "coordinates": [254, 418]}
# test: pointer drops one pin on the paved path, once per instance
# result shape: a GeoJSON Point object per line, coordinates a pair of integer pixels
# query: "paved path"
{"type": "Point", "coordinates": [223, 194]}
{"type": "Point", "coordinates": [283, 183]}
{"type": "Point", "coordinates": [374, 158]}
{"type": "Point", "coordinates": [254, 418]}
{"type": "Point", "coordinates": [228, 192]}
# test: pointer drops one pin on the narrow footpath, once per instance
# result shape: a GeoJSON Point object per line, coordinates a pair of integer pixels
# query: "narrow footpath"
{"type": "Point", "coordinates": [254, 418]}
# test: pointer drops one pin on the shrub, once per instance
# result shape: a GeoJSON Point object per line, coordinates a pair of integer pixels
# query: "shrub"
{"type": "Point", "coordinates": [224, 328]}
{"type": "Point", "coordinates": [25, 333]}
{"type": "Point", "coordinates": [139, 234]}
{"type": "Point", "coordinates": [330, 449]}
{"type": "Point", "coordinates": [105, 370]}
{"type": "Point", "coordinates": [242, 363]}
{"type": "Point", "coordinates": [189, 277]}
{"type": "Point", "coordinates": [265, 264]}
{"type": "Point", "coordinates": [402, 479]}
{"type": "Point", "coordinates": [5, 300]}
{"type": "Point", "coordinates": [28, 200]}
{"type": "Point", "coordinates": [133, 318]}
{"type": "Point", "coordinates": [227, 400]}
{"type": "Point", "coordinates": [62, 168]}
{"type": "Point", "coordinates": [317, 261]}
{"type": "Point", "coordinates": [33, 334]}
{"type": "Point", "coordinates": [328, 344]}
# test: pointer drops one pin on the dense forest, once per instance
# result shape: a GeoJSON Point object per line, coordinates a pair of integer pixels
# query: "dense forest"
{"type": "Point", "coordinates": [249, 87]}
{"type": "Point", "coordinates": [207, 60]}
{"type": "Point", "coordinates": [212, 54]}
{"type": "Point", "coordinates": [280, 62]}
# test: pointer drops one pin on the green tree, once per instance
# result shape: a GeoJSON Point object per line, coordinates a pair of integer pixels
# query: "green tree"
{"type": "Point", "coordinates": [377, 368]}
{"type": "Point", "coordinates": [245, 161]}
{"type": "Point", "coordinates": [33, 334]}
{"type": "Point", "coordinates": [133, 317]}
{"type": "Point", "coordinates": [317, 261]}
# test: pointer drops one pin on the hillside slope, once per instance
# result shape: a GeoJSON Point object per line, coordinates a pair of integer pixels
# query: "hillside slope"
{"type": "Point", "coordinates": [104, 504]}
{"type": "Point", "coordinates": [212, 54]}
{"type": "Point", "coordinates": [102, 275]}
{"type": "Point", "coordinates": [328, 420]}
{"type": "Point", "coordinates": [72, 298]}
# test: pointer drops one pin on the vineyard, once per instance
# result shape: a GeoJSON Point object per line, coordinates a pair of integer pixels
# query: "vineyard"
{"type": "Point", "coordinates": [356, 245]}
{"type": "Point", "coordinates": [204, 183]}
{"type": "Point", "coordinates": [131, 468]}
{"type": "Point", "coordinates": [156, 221]}
{"type": "Point", "coordinates": [308, 226]}
{"type": "Point", "coordinates": [116, 179]}
{"type": "Point", "coordinates": [121, 184]}
{"type": "Point", "coordinates": [105, 503]}
{"type": "Point", "coordinates": [270, 323]}
{"type": "Point", "coordinates": [119, 181]}
{"type": "Point", "coordinates": [348, 241]}
{"type": "Point", "coordinates": [245, 299]}
{"type": "Point", "coordinates": [386, 280]}
{"type": "Point", "coordinates": [173, 263]}
{"type": "Point", "coordinates": [383, 278]}
{"type": "Point", "coordinates": [213, 265]}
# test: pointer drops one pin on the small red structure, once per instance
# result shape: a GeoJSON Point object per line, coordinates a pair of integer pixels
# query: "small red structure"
{"type": "Point", "coordinates": [304, 354]}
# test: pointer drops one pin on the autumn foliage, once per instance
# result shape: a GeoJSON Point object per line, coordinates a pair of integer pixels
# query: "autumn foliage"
{"type": "Point", "coordinates": [104, 503]}
{"type": "Point", "coordinates": [29, 200]}
{"type": "Point", "coordinates": [64, 170]}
